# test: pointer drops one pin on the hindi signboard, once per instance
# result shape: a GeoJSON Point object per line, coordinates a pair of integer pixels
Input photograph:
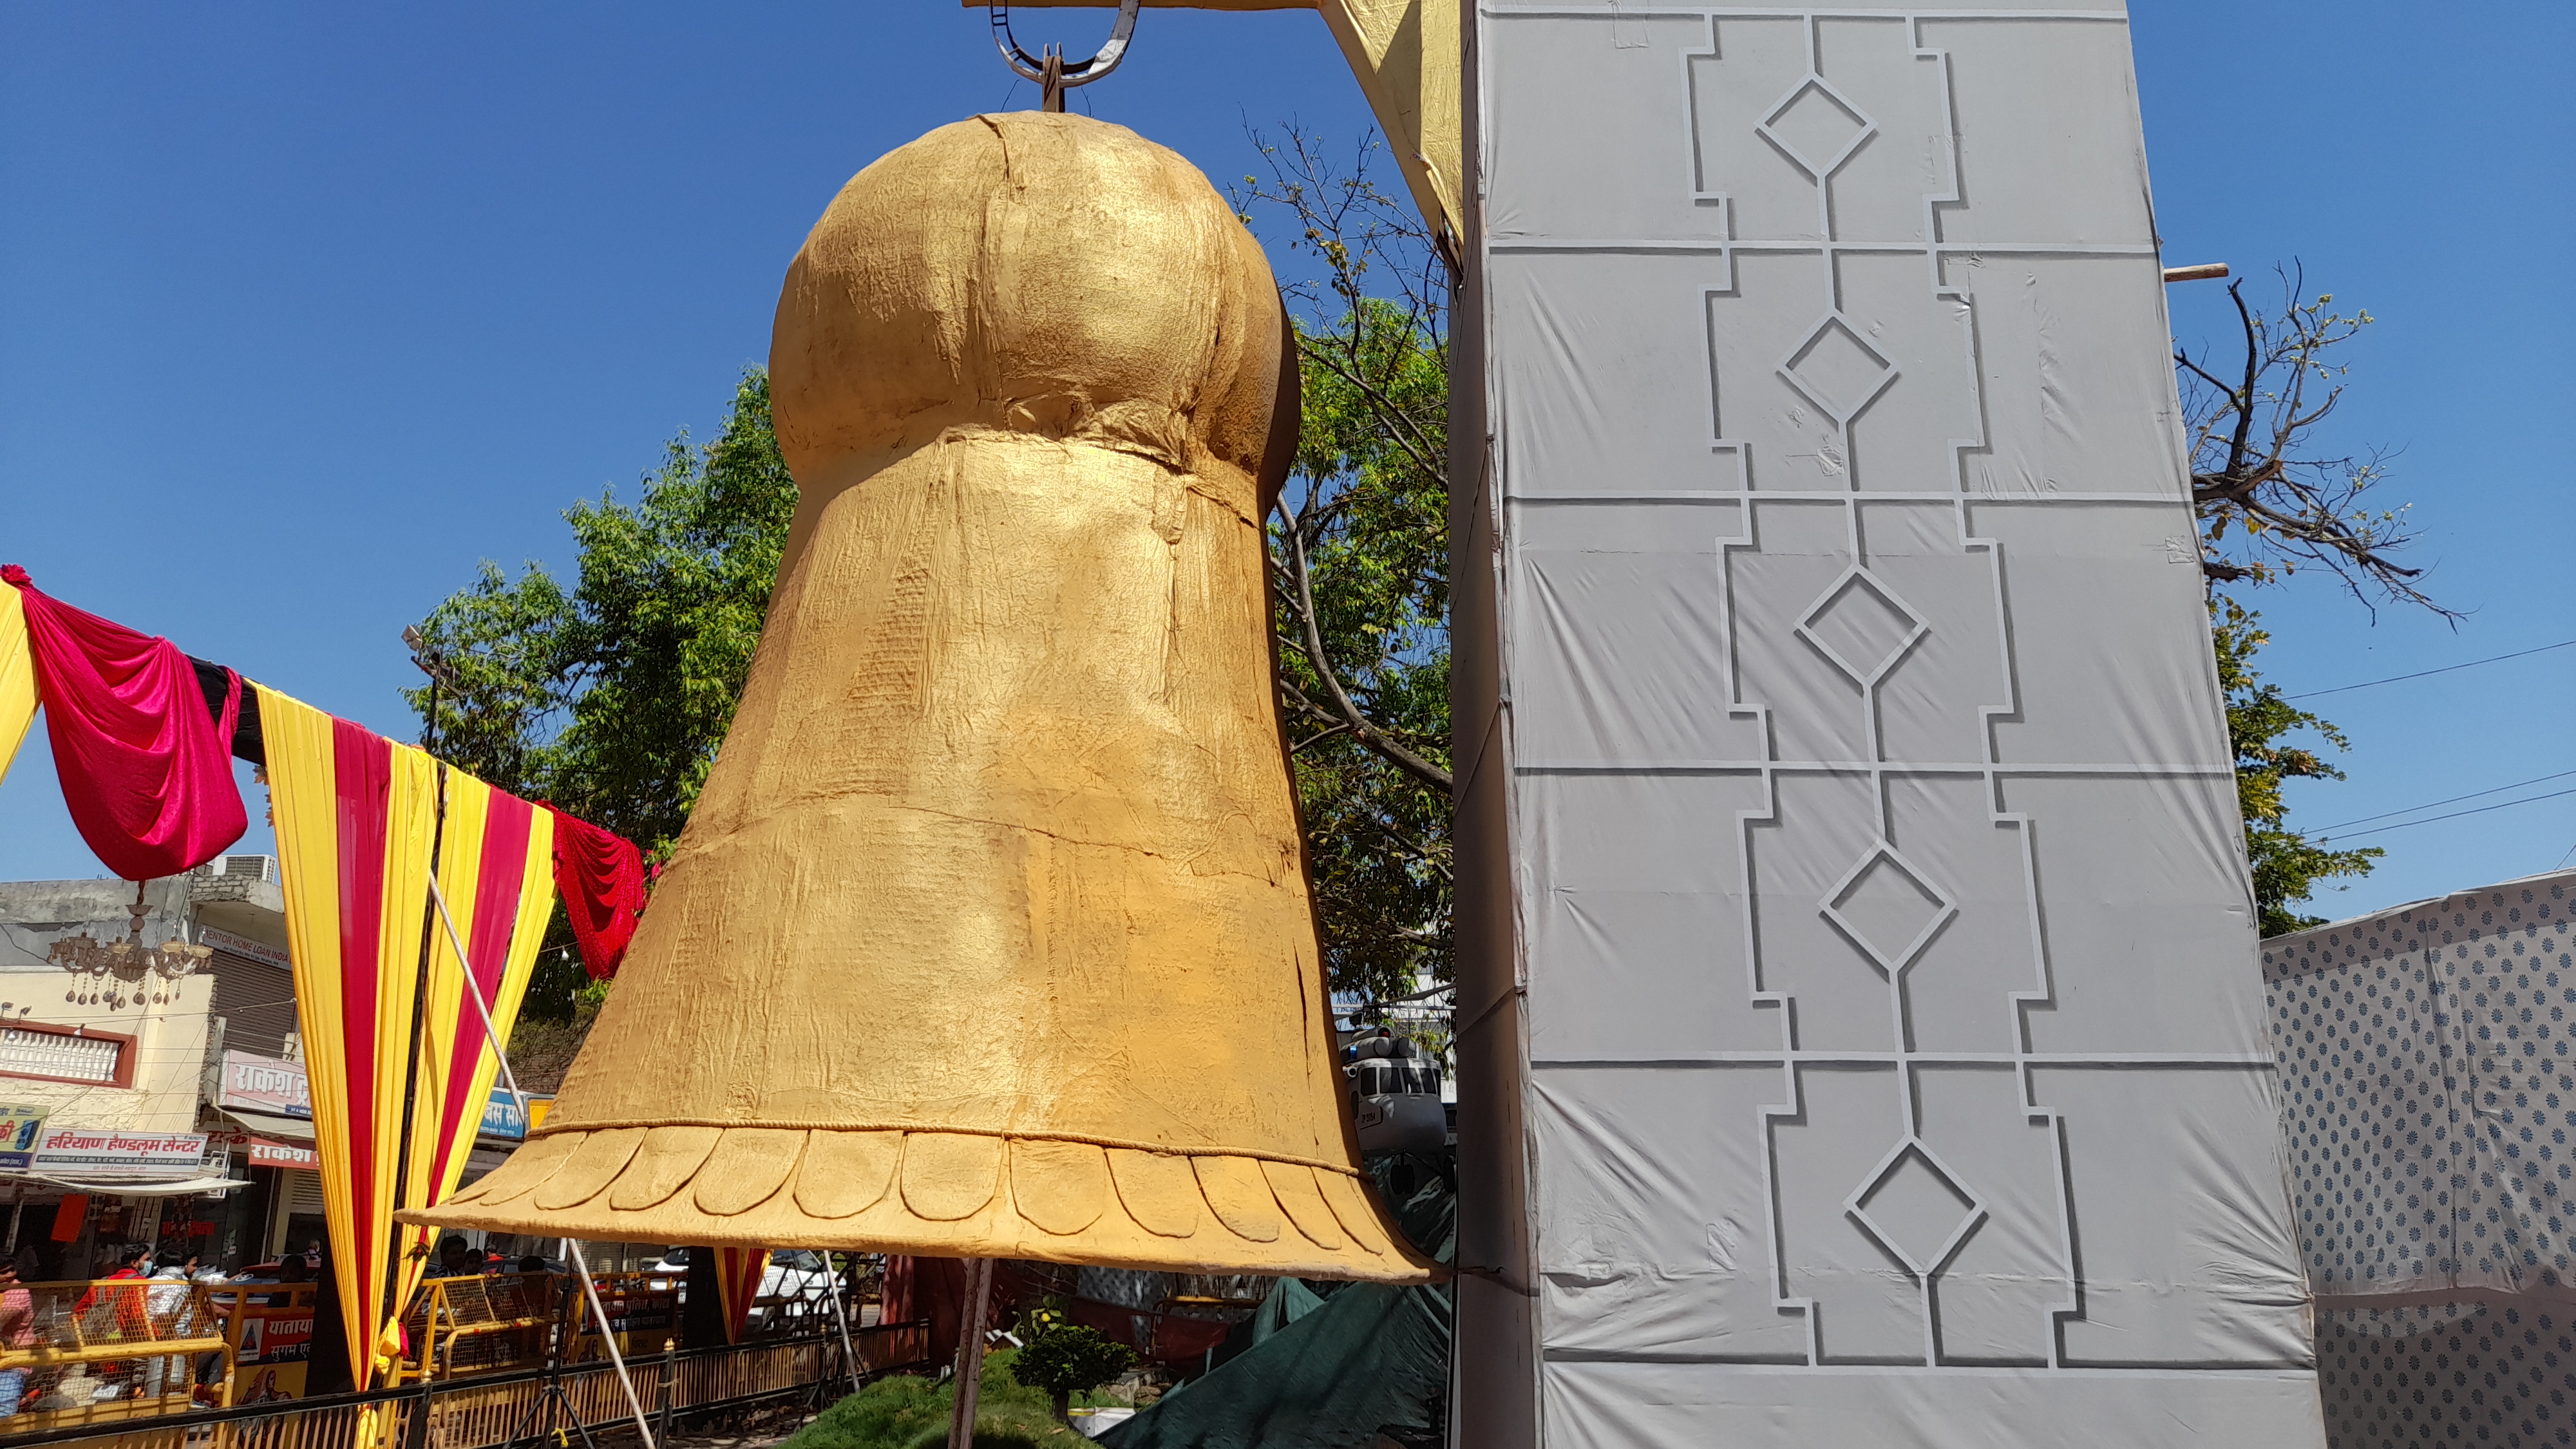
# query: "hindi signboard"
{"type": "Point", "coordinates": [276, 1347]}
{"type": "Point", "coordinates": [261, 1151]}
{"type": "Point", "coordinates": [111, 1152]}
{"type": "Point", "coordinates": [502, 1118]}
{"type": "Point", "coordinates": [20, 1125]}
{"type": "Point", "coordinates": [265, 1084]}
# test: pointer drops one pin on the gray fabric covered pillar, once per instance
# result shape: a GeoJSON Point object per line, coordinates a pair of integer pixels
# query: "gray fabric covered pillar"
{"type": "Point", "coordinates": [1861, 1033]}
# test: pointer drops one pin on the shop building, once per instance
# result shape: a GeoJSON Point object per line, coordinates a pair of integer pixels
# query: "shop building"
{"type": "Point", "coordinates": [172, 1110]}
{"type": "Point", "coordinates": [102, 1077]}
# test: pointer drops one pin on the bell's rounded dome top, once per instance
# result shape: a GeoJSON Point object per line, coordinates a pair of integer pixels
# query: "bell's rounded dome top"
{"type": "Point", "coordinates": [1036, 273]}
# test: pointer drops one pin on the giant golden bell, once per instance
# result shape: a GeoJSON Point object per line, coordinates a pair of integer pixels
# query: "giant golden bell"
{"type": "Point", "coordinates": [991, 934]}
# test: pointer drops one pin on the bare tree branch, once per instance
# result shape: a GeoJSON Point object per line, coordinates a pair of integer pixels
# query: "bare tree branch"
{"type": "Point", "coordinates": [2268, 502]}
{"type": "Point", "coordinates": [1362, 729]}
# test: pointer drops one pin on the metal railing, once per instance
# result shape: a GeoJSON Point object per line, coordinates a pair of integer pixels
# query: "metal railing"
{"type": "Point", "coordinates": [523, 1408]}
{"type": "Point", "coordinates": [98, 1351]}
{"type": "Point", "coordinates": [477, 1324]}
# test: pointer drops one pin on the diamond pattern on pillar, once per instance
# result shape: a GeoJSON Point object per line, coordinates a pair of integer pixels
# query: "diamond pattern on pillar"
{"type": "Point", "coordinates": [1838, 369]}
{"type": "Point", "coordinates": [1916, 1209]}
{"type": "Point", "coordinates": [1816, 126]}
{"type": "Point", "coordinates": [1862, 626]}
{"type": "Point", "coordinates": [1887, 909]}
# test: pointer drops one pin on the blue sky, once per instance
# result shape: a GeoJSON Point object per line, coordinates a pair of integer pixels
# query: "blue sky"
{"type": "Point", "coordinates": [304, 309]}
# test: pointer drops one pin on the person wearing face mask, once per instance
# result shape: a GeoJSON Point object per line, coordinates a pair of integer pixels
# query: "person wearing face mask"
{"type": "Point", "coordinates": [17, 1330]}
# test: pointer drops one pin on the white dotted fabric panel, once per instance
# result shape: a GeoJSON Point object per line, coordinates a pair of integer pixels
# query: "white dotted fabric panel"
{"type": "Point", "coordinates": [2454, 1373]}
{"type": "Point", "coordinates": [2428, 1093]}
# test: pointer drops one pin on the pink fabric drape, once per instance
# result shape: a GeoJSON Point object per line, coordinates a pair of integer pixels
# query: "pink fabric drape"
{"type": "Point", "coordinates": [148, 777]}
{"type": "Point", "coordinates": [600, 875]}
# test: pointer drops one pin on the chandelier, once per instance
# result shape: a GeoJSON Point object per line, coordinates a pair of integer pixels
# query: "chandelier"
{"type": "Point", "coordinates": [117, 972]}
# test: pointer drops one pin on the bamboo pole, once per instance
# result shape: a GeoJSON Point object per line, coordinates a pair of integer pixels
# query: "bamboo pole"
{"type": "Point", "coordinates": [510, 1079]}
{"type": "Point", "coordinates": [849, 1350]}
{"type": "Point", "coordinates": [970, 1353]}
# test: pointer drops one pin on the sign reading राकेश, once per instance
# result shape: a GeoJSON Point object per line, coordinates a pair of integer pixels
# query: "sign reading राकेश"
{"type": "Point", "coordinates": [111, 1152]}
{"type": "Point", "coordinates": [265, 1084]}
{"type": "Point", "coordinates": [266, 1151]}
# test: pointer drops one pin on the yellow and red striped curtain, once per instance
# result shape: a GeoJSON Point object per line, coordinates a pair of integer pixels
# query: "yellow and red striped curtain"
{"type": "Point", "coordinates": [496, 872]}
{"type": "Point", "coordinates": [360, 823]}
{"type": "Point", "coordinates": [17, 677]}
{"type": "Point", "coordinates": [738, 1275]}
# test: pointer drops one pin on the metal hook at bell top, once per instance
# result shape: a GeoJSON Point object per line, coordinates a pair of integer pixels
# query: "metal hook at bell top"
{"type": "Point", "coordinates": [1053, 73]}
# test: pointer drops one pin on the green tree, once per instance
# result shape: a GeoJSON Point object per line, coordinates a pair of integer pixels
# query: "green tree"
{"type": "Point", "coordinates": [1359, 550]}
{"type": "Point", "coordinates": [2288, 866]}
{"type": "Point", "coordinates": [1067, 1359]}
{"type": "Point", "coordinates": [2270, 500]}
{"type": "Point", "coordinates": [610, 695]}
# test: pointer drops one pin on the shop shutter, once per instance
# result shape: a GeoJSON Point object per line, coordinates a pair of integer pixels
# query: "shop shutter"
{"type": "Point", "coordinates": [256, 1001]}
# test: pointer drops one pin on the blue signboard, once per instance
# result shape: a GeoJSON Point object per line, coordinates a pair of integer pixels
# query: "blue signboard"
{"type": "Point", "coordinates": [503, 1119]}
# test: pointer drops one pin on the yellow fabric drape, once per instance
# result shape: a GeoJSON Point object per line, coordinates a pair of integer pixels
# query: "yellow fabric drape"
{"type": "Point", "coordinates": [354, 817]}
{"type": "Point", "coordinates": [17, 677]}
{"type": "Point", "coordinates": [449, 1098]}
{"type": "Point", "coordinates": [1407, 57]}
{"type": "Point", "coordinates": [358, 819]}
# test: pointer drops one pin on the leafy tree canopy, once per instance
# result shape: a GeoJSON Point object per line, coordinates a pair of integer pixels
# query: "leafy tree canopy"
{"type": "Point", "coordinates": [2288, 866]}
{"type": "Point", "coordinates": [610, 695]}
{"type": "Point", "coordinates": [1359, 550]}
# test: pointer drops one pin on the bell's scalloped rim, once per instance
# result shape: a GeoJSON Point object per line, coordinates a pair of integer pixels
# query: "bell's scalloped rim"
{"type": "Point", "coordinates": [941, 1194]}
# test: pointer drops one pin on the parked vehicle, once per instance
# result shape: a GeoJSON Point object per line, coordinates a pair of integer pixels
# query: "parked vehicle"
{"type": "Point", "coordinates": [796, 1283]}
{"type": "Point", "coordinates": [1395, 1095]}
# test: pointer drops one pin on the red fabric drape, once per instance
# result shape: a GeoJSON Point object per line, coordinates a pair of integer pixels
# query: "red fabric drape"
{"type": "Point", "coordinates": [600, 875]}
{"type": "Point", "coordinates": [935, 1288]}
{"type": "Point", "coordinates": [148, 777]}
{"type": "Point", "coordinates": [739, 1273]}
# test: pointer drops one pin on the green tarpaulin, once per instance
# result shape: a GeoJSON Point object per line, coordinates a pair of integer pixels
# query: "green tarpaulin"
{"type": "Point", "coordinates": [1321, 1365]}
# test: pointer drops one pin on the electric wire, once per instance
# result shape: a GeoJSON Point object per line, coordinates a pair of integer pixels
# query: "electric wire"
{"type": "Point", "coordinates": [2454, 800]}
{"type": "Point", "coordinates": [2456, 814]}
{"type": "Point", "coordinates": [2426, 673]}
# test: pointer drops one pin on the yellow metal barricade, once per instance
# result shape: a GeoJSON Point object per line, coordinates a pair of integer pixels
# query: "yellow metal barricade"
{"type": "Point", "coordinates": [269, 1329]}
{"type": "Point", "coordinates": [643, 1311]}
{"type": "Point", "coordinates": [463, 1326]}
{"type": "Point", "coordinates": [95, 1351]}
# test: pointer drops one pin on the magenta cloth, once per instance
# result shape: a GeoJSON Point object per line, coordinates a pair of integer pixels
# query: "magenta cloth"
{"type": "Point", "coordinates": [600, 875]}
{"type": "Point", "coordinates": [148, 777]}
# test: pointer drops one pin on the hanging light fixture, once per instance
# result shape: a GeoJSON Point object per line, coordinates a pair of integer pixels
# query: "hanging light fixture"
{"type": "Point", "coordinates": [116, 972]}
